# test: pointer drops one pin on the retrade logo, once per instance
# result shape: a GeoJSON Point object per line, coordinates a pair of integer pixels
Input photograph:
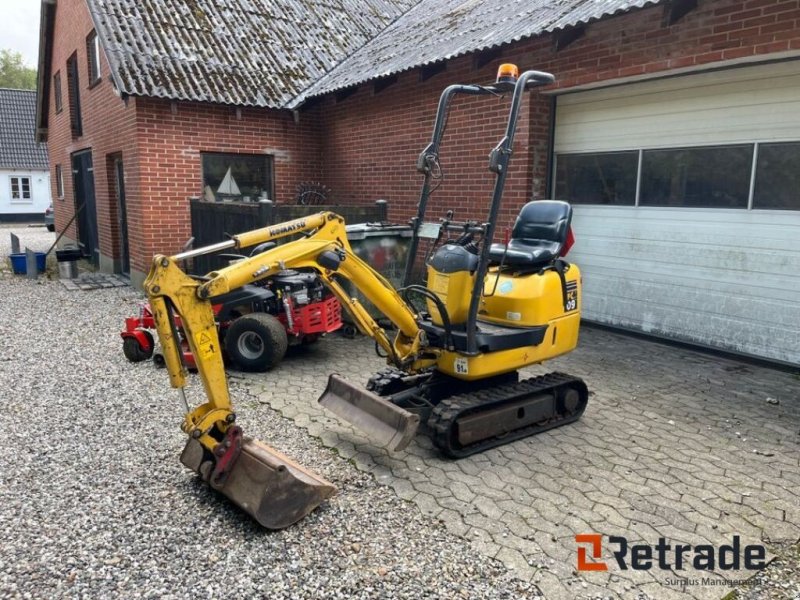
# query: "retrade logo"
{"type": "Point", "coordinates": [596, 541]}
{"type": "Point", "coordinates": [665, 556]}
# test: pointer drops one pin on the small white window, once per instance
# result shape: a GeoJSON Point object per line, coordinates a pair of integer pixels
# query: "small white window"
{"type": "Point", "coordinates": [20, 188]}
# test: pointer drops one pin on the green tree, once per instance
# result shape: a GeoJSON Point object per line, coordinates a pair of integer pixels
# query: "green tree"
{"type": "Point", "coordinates": [14, 73]}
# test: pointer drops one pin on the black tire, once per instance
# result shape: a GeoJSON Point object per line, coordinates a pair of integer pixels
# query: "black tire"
{"type": "Point", "coordinates": [134, 352]}
{"type": "Point", "coordinates": [50, 227]}
{"type": "Point", "coordinates": [256, 342]}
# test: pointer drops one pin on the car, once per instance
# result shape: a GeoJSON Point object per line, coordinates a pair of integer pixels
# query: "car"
{"type": "Point", "coordinates": [50, 218]}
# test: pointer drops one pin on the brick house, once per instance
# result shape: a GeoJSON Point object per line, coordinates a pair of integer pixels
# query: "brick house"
{"type": "Point", "coordinates": [673, 128]}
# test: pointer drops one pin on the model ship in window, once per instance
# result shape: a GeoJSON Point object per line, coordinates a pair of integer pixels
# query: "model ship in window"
{"type": "Point", "coordinates": [228, 190]}
{"type": "Point", "coordinates": [237, 177]}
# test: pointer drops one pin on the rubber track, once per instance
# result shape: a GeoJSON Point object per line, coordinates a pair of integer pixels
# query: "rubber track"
{"type": "Point", "coordinates": [446, 414]}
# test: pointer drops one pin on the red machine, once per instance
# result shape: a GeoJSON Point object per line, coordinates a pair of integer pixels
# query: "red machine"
{"type": "Point", "coordinates": [256, 323]}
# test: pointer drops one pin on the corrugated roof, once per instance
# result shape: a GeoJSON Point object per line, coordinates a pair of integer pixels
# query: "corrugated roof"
{"type": "Point", "coordinates": [242, 52]}
{"type": "Point", "coordinates": [18, 148]}
{"type": "Point", "coordinates": [436, 30]}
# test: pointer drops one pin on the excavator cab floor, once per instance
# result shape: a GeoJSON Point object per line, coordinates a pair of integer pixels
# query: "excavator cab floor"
{"type": "Point", "coordinates": [267, 485]}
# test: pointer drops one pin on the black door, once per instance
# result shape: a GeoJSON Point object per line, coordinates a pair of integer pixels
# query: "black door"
{"type": "Point", "coordinates": [83, 177]}
{"type": "Point", "coordinates": [125, 256]}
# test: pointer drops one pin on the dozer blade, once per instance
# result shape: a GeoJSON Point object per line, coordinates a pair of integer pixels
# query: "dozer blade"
{"type": "Point", "coordinates": [386, 424]}
{"type": "Point", "coordinates": [267, 485]}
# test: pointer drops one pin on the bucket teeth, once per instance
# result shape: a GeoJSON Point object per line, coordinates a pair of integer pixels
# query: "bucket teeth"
{"type": "Point", "coordinates": [385, 423]}
{"type": "Point", "coordinates": [267, 485]}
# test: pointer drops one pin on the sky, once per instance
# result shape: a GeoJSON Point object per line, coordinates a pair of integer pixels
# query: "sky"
{"type": "Point", "coordinates": [20, 29]}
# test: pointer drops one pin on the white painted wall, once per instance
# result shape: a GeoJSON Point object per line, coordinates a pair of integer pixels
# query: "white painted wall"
{"type": "Point", "coordinates": [718, 277]}
{"type": "Point", "coordinates": [724, 107]}
{"type": "Point", "coordinates": [40, 193]}
{"type": "Point", "coordinates": [723, 278]}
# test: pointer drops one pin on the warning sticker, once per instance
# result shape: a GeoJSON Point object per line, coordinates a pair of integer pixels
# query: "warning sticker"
{"type": "Point", "coordinates": [205, 344]}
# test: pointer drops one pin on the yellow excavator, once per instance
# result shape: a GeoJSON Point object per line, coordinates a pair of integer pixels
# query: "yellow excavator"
{"type": "Point", "coordinates": [488, 309]}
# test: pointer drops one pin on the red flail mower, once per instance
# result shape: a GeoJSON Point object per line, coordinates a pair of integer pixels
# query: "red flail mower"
{"type": "Point", "coordinates": [256, 323]}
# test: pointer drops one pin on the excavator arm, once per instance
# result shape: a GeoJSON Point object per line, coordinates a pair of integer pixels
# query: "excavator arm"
{"type": "Point", "coordinates": [249, 472]}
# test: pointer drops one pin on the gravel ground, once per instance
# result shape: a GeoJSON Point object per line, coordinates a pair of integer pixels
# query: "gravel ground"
{"type": "Point", "coordinates": [779, 581]}
{"type": "Point", "coordinates": [95, 503]}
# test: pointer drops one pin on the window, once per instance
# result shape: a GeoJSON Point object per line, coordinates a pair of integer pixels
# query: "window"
{"type": "Point", "coordinates": [93, 56]}
{"type": "Point", "coordinates": [241, 177]}
{"type": "Point", "coordinates": [600, 178]}
{"type": "Point", "coordinates": [74, 96]}
{"type": "Point", "coordinates": [778, 176]}
{"type": "Point", "coordinates": [694, 177]}
{"type": "Point", "coordinates": [57, 91]}
{"type": "Point", "coordinates": [708, 177]}
{"type": "Point", "coordinates": [59, 182]}
{"type": "Point", "coordinates": [20, 188]}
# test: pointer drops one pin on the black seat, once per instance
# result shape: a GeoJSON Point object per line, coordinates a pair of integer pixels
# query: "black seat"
{"type": "Point", "coordinates": [539, 234]}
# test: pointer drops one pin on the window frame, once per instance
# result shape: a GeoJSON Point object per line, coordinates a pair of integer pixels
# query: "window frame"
{"type": "Point", "coordinates": [749, 146]}
{"type": "Point", "coordinates": [753, 183]}
{"type": "Point", "coordinates": [269, 160]}
{"type": "Point", "coordinates": [74, 96]}
{"type": "Point", "coordinates": [601, 154]}
{"type": "Point", "coordinates": [58, 100]}
{"type": "Point", "coordinates": [59, 182]}
{"type": "Point", "coordinates": [93, 59]}
{"type": "Point", "coordinates": [21, 189]}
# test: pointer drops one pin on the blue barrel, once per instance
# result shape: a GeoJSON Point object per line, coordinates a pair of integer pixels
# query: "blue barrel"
{"type": "Point", "coordinates": [20, 267]}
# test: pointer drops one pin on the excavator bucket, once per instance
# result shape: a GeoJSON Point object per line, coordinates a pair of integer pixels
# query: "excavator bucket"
{"type": "Point", "coordinates": [386, 424]}
{"type": "Point", "coordinates": [267, 485]}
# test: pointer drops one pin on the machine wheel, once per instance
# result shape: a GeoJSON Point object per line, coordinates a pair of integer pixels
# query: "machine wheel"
{"type": "Point", "coordinates": [256, 342]}
{"type": "Point", "coordinates": [134, 352]}
{"type": "Point", "coordinates": [50, 227]}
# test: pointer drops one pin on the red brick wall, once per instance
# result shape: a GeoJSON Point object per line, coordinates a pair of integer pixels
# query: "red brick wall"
{"type": "Point", "coordinates": [108, 126]}
{"type": "Point", "coordinates": [371, 144]}
{"type": "Point", "coordinates": [170, 145]}
{"type": "Point", "coordinates": [372, 141]}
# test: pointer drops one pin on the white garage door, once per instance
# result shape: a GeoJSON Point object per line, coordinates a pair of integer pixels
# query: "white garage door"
{"type": "Point", "coordinates": [687, 206]}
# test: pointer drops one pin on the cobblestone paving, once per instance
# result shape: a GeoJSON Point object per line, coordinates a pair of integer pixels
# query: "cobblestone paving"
{"type": "Point", "coordinates": [674, 443]}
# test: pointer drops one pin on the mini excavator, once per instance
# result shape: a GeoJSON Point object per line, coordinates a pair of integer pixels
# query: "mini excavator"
{"type": "Point", "coordinates": [488, 309]}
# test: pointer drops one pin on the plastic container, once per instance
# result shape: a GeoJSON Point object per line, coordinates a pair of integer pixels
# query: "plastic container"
{"type": "Point", "coordinates": [20, 267]}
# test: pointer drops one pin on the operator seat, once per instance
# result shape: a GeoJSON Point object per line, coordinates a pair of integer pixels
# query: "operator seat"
{"type": "Point", "coordinates": [539, 234]}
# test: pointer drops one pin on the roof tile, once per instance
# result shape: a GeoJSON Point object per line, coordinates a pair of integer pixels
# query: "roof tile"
{"type": "Point", "coordinates": [242, 52]}
{"type": "Point", "coordinates": [437, 30]}
{"type": "Point", "coordinates": [18, 148]}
